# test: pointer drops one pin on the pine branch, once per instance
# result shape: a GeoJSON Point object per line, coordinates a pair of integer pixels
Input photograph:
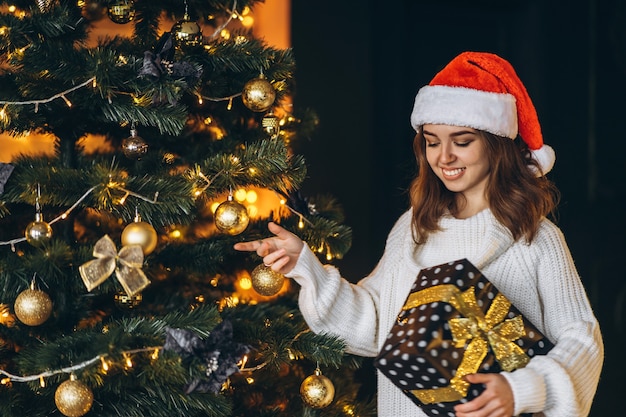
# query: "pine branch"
{"type": "Point", "coordinates": [264, 163]}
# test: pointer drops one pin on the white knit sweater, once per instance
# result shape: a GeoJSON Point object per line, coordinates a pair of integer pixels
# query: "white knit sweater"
{"type": "Point", "coordinates": [540, 279]}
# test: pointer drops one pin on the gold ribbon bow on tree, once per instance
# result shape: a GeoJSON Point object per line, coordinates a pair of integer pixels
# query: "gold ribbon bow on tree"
{"type": "Point", "coordinates": [481, 330]}
{"type": "Point", "coordinates": [126, 264]}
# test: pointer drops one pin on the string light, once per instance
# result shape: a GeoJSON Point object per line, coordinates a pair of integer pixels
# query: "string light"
{"type": "Point", "coordinates": [218, 31]}
{"type": "Point", "coordinates": [128, 362]}
{"type": "Point", "coordinates": [302, 218]}
{"type": "Point", "coordinates": [105, 365]}
{"type": "Point", "coordinates": [218, 99]}
{"type": "Point", "coordinates": [67, 370]}
{"type": "Point", "coordinates": [8, 377]}
{"type": "Point", "coordinates": [348, 409]}
{"type": "Point", "coordinates": [123, 199]}
{"type": "Point", "coordinates": [208, 182]}
{"type": "Point", "coordinates": [60, 95]}
{"type": "Point", "coordinates": [69, 103]}
{"type": "Point", "coordinates": [111, 184]}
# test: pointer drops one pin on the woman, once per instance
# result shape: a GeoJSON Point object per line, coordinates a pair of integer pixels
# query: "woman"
{"type": "Point", "coordinates": [480, 194]}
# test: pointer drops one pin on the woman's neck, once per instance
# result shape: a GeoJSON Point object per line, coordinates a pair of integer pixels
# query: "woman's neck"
{"type": "Point", "coordinates": [470, 207]}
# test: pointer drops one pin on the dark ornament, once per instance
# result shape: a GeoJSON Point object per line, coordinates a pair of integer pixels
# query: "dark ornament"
{"type": "Point", "coordinates": [301, 204]}
{"type": "Point", "coordinates": [5, 173]}
{"type": "Point", "coordinates": [218, 353]}
{"type": "Point", "coordinates": [160, 62]}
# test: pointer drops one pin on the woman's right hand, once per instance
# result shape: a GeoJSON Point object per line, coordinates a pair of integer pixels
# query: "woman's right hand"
{"type": "Point", "coordinates": [279, 252]}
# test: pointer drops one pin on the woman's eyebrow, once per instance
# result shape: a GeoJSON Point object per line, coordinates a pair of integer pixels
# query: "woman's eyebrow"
{"type": "Point", "coordinates": [454, 134]}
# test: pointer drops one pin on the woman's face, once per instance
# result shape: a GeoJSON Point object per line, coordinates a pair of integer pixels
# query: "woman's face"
{"type": "Point", "coordinates": [457, 155]}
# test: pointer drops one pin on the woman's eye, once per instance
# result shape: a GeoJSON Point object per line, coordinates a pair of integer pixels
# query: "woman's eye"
{"type": "Point", "coordinates": [463, 144]}
{"type": "Point", "coordinates": [432, 144]}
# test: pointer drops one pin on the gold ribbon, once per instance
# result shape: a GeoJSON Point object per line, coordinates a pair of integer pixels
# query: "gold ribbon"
{"type": "Point", "coordinates": [126, 264]}
{"type": "Point", "coordinates": [481, 330]}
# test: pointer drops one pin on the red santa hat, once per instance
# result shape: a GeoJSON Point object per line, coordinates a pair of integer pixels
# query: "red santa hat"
{"type": "Point", "coordinates": [482, 91]}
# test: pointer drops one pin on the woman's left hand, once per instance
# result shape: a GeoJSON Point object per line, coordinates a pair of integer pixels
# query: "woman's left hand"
{"type": "Point", "coordinates": [495, 401]}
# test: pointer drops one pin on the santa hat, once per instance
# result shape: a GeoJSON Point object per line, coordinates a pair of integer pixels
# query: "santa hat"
{"type": "Point", "coordinates": [482, 91]}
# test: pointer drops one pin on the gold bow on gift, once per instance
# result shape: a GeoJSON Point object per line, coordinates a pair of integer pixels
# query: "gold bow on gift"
{"type": "Point", "coordinates": [126, 264]}
{"type": "Point", "coordinates": [481, 330]}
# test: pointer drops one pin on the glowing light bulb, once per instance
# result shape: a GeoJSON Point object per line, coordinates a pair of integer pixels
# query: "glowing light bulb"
{"type": "Point", "coordinates": [251, 196]}
{"type": "Point", "coordinates": [240, 194]}
{"type": "Point", "coordinates": [105, 365]}
{"type": "Point", "coordinates": [245, 283]}
{"type": "Point", "coordinates": [67, 101]}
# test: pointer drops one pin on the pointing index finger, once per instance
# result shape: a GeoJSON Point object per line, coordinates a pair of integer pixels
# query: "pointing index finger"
{"type": "Point", "coordinates": [250, 246]}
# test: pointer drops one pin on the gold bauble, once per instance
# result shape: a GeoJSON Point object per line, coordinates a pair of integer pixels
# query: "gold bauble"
{"type": "Point", "coordinates": [140, 233]}
{"type": "Point", "coordinates": [317, 391]}
{"type": "Point", "coordinates": [187, 32]}
{"type": "Point", "coordinates": [134, 147]}
{"type": "Point", "coordinates": [258, 94]}
{"type": "Point", "coordinates": [266, 281]}
{"type": "Point", "coordinates": [39, 232]}
{"type": "Point", "coordinates": [33, 307]}
{"type": "Point", "coordinates": [45, 5]}
{"type": "Point", "coordinates": [73, 398]}
{"type": "Point", "coordinates": [6, 318]}
{"type": "Point", "coordinates": [126, 302]}
{"type": "Point", "coordinates": [231, 217]}
{"type": "Point", "coordinates": [271, 125]}
{"type": "Point", "coordinates": [121, 11]}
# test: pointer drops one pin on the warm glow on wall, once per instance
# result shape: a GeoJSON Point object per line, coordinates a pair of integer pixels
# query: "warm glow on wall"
{"type": "Point", "coordinates": [272, 22]}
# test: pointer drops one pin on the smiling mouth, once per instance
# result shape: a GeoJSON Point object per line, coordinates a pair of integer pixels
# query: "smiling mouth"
{"type": "Point", "coordinates": [452, 172]}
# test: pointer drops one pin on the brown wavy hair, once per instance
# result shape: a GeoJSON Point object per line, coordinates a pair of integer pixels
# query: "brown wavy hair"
{"type": "Point", "coordinates": [517, 197]}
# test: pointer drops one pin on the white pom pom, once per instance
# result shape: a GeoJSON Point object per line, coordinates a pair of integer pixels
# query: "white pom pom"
{"type": "Point", "coordinates": [546, 158]}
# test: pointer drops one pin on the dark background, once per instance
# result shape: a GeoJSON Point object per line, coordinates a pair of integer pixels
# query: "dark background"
{"type": "Point", "coordinates": [360, 64]}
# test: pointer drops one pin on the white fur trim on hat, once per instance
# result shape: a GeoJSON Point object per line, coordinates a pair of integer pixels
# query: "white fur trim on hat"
{"type": "Point", "coordinates": [459, 106]}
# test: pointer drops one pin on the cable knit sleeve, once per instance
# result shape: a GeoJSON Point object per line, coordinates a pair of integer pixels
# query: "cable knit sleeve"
{"type": "Point", "coordinates": [563, 382]}
{"type": "Point", "coordinates": [330, 304]}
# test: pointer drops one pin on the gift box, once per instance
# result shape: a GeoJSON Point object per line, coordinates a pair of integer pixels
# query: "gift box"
{"type": "Point", "coordinates": [454, 323]}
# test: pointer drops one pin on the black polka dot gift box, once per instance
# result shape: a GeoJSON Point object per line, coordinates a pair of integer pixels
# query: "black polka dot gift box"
{"type": "Point", "coordinates": [454, 323]}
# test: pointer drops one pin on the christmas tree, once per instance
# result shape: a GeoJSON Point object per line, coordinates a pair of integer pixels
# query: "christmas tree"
{"type": "Point", "coordinates": [120, 293]}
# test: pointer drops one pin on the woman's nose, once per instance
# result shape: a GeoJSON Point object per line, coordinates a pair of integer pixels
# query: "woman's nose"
{"type": "Point", "coordinates": [447, 155]}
